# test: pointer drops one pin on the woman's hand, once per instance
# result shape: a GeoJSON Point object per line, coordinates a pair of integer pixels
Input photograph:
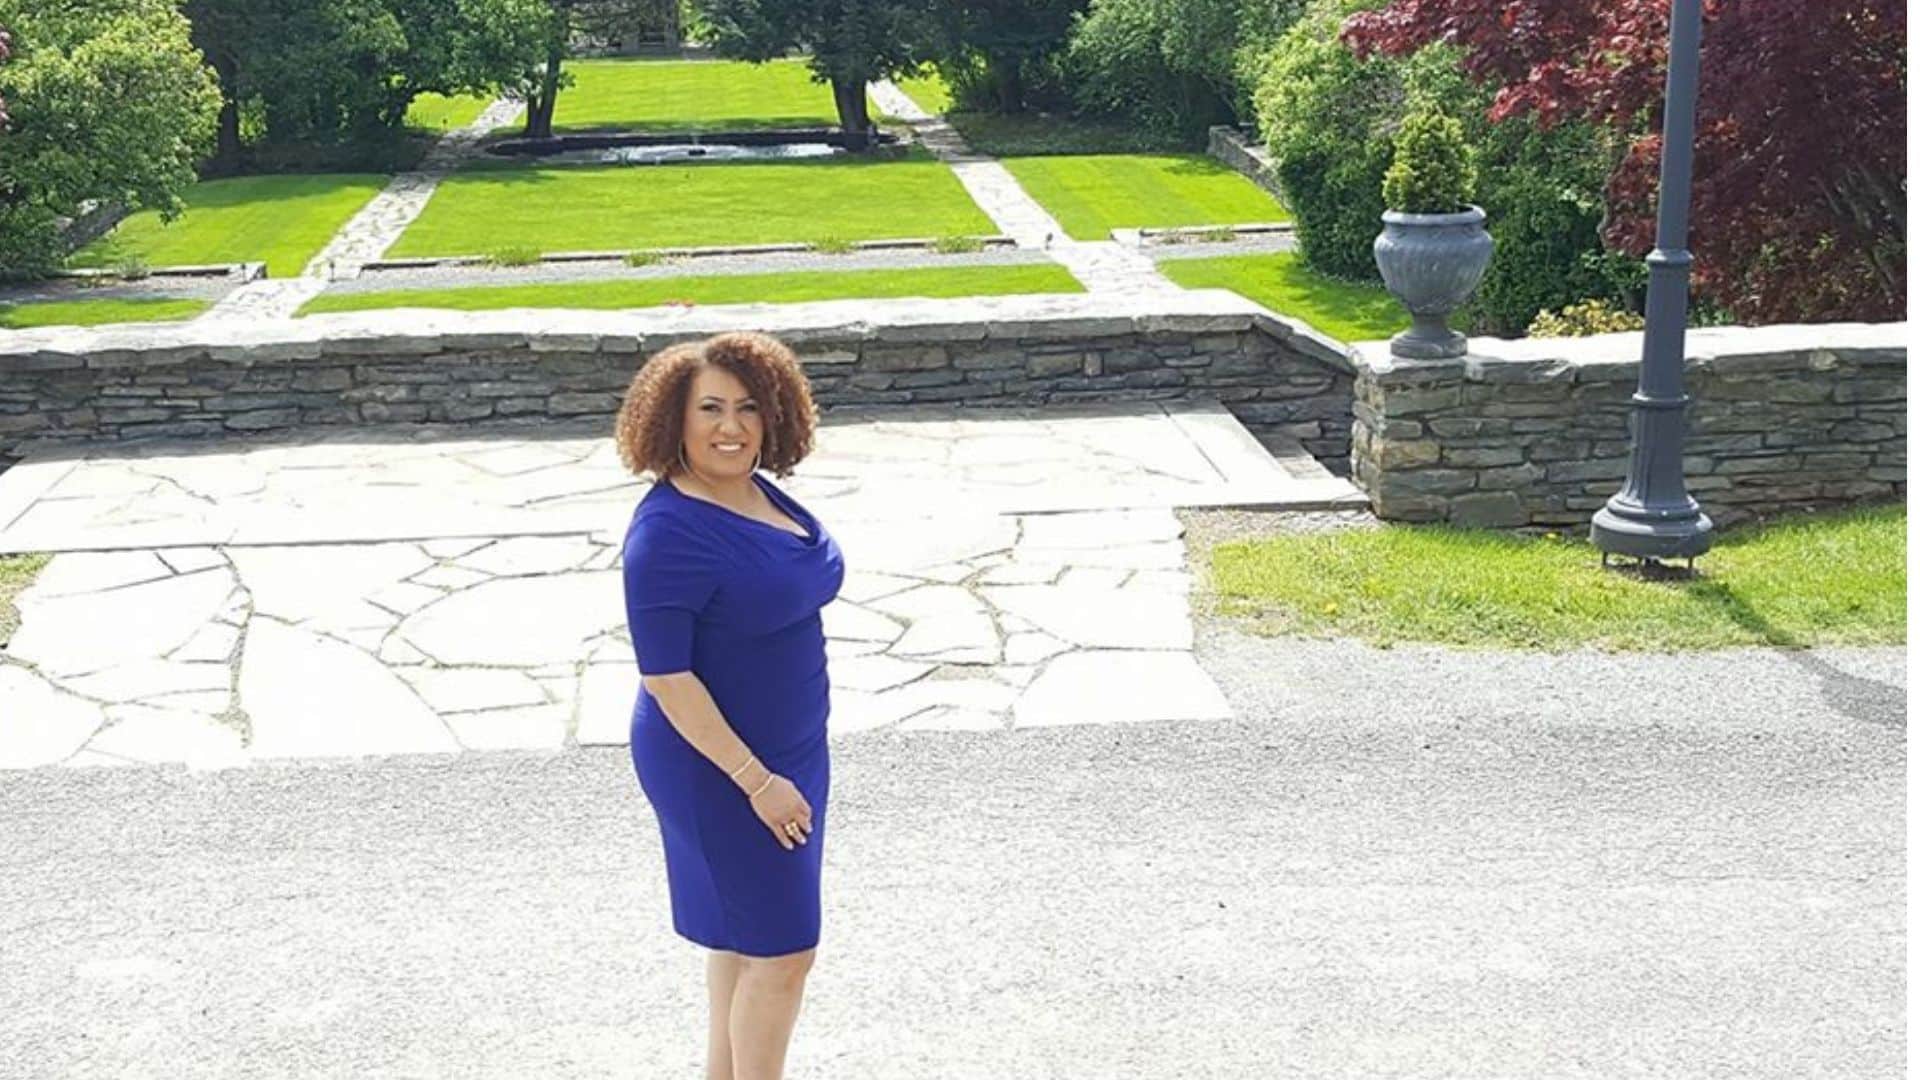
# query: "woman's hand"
{"type": "Point", "coordinates": [780, 804]}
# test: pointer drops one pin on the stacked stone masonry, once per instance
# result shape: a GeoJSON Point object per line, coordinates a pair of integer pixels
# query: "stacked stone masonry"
{"type": "Point", "coordinates": [1535, 433]}
{"type": "Point", "coordinates": [1278, 378]}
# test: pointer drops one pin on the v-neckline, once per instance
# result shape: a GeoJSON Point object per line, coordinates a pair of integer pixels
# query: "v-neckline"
{"type": "Point", "coordinates": [804, 520]}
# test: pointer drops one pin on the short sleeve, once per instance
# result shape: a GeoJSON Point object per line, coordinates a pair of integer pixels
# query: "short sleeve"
{"type": "Point", "coordinates": [669, 578]}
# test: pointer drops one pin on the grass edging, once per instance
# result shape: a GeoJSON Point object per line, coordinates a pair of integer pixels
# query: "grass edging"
{"type": "Point", "coordinates": [1832, 578]}
{"type": "Point", "coordinates": [16, 574]}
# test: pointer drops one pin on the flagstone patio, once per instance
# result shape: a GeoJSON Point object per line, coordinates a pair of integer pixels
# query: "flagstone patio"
{"type": "Point", "coordinates": [413, 591]}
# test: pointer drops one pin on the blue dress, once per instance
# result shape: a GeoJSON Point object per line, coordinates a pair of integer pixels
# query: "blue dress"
{"type": "Point", "coordinates": [737, 602]}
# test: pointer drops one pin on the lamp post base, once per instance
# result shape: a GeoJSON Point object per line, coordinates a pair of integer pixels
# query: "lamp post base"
{"type": "Point", "coordinates": [1622, 529]}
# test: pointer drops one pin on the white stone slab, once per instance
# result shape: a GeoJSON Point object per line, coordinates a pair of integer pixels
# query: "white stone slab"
{"type": "Point", "coordinates": [153, 735]}
{"type": "Point", "coordinates": [1120, 687]}
{"type": "Point", "coordinates": [1032, 648]}
{"type": "Point", "coordinates": [450, 577]}
{"type": "Point", "coordinates": [852, 711]}
{"type": "Point", "coordinates": [311, 697]}
{"type": "Point", "coordinates": [1100, 529]}
{"type": "Point", "coordinates": [38, 724]}
{"type": "Point", "coordinates": [521, 555]}
{"type": "Point", "coordinates": [142, 680]}
{"type": "Point", "coordinates": [927, 601]}
{"type": "Point", "coordinates": [325, 586]}
{"type": "Point", "coordinates": [404, 597]}
{"type": "Point", "coordinates": [72, 635]}
{"type": "Point", "coordinates": [1168, 581]}
{"type": "Point", "coordinates": [839, 649]}
{"type": "Point", "coordinates": [452, 548]}
{"type": "Point", "coordinates": [861, 587]}
{"type": "Point", "coordinates": [451, 690]}
{"type": "Point", "coordinates": [1101, 618]}
{"type": "Point", "coordinates": [523, 622]}
{"type": "Point", "coordinates": [874, 673]}
{"type": "Point", "coordinates": [189, 560]}
{"type": "Point", "coordinates": [936, 635]}
{"type": "Point", "coordinates": [537, 727]}
{"type": "Point", "coordinates": [845, 621]}
{"type": "Point", "coordinates": [607, 698]}
{"type": "Point", "coordinates": [1170, 555]}
{"type": "Point", "coordinates": [78, 572]}
{"type": "Point", "coordinates": [1092, 577]}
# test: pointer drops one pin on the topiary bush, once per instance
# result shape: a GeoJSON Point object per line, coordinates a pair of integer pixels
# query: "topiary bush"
{"type": "Point", "coordinates": [1432, 171]}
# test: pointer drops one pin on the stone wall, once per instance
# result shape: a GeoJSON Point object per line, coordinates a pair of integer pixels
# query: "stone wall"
{"type": "Point", "coordinates": [1535, 432]}
{"type": "Point", "coordinates": [1231, 147]}
{"type": "Point", "coordinates": [214, 378]}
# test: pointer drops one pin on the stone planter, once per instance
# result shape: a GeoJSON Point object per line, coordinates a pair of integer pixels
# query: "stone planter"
{"type": "Point", "coordinates": [1431, 264]}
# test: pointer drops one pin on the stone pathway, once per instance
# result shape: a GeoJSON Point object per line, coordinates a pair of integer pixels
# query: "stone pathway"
{"type": "Point", "coordinates": [1102, 266]}
{"type": "Point", "coordinates": [408, 593]}
{"type": "Point", "coordinates": [368, 234]}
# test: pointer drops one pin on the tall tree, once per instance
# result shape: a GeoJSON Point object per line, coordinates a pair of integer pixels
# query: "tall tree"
{"type": "Point", "coordinates": [849, 43]}
{"type": "Point", "coordinates": [555, 30]}
{"type": "Point", "coordinates": [323, 70]}
{"type": "Point", "coordinates": [107, 100]}
{"type": "Point", "coordinates": [1800, 176]}
{"type": "Point", "coordinates": [1002, 39]}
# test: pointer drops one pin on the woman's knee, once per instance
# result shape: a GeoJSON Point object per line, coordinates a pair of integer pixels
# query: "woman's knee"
{"type": "Point", "coordinates": [789, 969]}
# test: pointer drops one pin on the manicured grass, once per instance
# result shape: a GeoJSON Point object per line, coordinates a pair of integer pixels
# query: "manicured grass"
{"type": "Point", "coordinates": [1092, 194]}
{"type": "Point", "coordinates": [280, 220]}
{"type": "Point", "coordinates": [16, 573]}
{"type": "Point", "coordinates": [97, 312]}
{"type": "Point", "coordinates": [1028, 134]}
{"type": "Point", "coordinates": [438, 112]}
{"type": "Point", "coordinates": [720, 289]}
{"type": "Point", "coordinates": [928, 90]}
{"type": "Point", "coordinates": [619, 207]}
{"type": "Point", "coordinates": [1345, 310]}
{"type": "Point", "coordinates": [1828, 579]}
{"type": "Point", "coordinates": [693, 95]}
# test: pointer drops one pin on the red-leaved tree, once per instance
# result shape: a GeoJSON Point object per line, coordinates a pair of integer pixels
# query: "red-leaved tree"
{"type": "Point", "coordinates": [1799, 192]}
{"type": "Point", "coordinates": [4, 53]}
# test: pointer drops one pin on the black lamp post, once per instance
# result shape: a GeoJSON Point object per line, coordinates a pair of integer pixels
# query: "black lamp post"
{"type": "Point", "coordinates": [1652, 516]}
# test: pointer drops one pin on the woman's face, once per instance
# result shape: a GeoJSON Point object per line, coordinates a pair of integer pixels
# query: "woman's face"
{"type": "Point", "coordinates": [722, 429]}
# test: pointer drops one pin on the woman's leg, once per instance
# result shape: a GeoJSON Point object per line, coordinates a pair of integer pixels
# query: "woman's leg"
{"type": "Point", "coordinates": [766, 1002]}
{"type": "Point", "coordinates": [723, 973]}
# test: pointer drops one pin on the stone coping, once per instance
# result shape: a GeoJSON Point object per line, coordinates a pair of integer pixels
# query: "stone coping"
{"type": "Point", "coordinates": [424, 332]}
{"type": "Point", "coordinates": [1606, 357]}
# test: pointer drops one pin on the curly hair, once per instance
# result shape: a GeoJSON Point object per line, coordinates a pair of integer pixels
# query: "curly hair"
{"type": "Point", "coordinates": [649, 428]}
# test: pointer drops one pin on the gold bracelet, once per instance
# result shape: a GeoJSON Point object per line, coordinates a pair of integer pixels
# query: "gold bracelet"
{"type": "Point", "coordinates": [762, 787]}
{"type": "Point", "coordinates": [735, 774]}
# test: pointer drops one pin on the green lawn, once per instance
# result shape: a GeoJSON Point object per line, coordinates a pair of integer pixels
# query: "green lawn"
{"type": "Point", "coordinates": [280, 220]}
{"type": "Point", "coordinates": [721, 289]}
{"type": "Point", "coordinates": [1837, 578]}
{"type": "Point", "coordinates": [928, 90]}
{"type": "Point", "coordinates": [622, 207]}
{"type": "Point", "coordinates": [1091, 194]}
{"type": "Point", "coordinates": [16, 573]}
{"type": "Point", "coordinates": [438, 112]}
{"type": "Point", "coordinates": [96, 312]}
{"type": "Point", "coordinates": [1344, 310]}
{"type": "Point", "coordinates": [692, 95]}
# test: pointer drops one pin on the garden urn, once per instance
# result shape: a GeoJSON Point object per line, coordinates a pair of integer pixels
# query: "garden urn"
{"type": "Point", "coordinates": [1431, 264]}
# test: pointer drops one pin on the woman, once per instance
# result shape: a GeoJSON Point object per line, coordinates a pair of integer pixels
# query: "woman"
{"type": "Point", "coordinates": [725, 578]}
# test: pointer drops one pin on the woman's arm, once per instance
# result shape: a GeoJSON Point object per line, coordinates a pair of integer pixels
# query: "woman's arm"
{"type": "Point", "coordinates": [691, 710]}
{"type": "Point", "coordinates": [693, 713]}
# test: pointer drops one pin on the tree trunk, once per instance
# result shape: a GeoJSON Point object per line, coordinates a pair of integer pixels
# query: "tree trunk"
{"type": "Point", "coordinates": [1009, 91]}
{"type": "Point", "coordinates": [226, 151]}
{"type": "Point", "coordinates": [850, 101]}
{"type": "Point", "coordinates": [540, 109]}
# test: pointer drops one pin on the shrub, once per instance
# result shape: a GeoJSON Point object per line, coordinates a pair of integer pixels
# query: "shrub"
{"type": "Point", "coordinates": [1432, 173]}
{"type": "Point", "coordinates": [958, 245]}
{"type": "Point", "coordinates": [642, 258]}
{"type": "Point", "coordinates": [132, 267]}
{"type": "Point", "coordinates": [1583, 319]}
{"type": "Point", "coordinates": [1174, 68]}
{"type": "Point", "coordinates": [513, 256]}
{"type": "Point", "coordinates": [832, 245]}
